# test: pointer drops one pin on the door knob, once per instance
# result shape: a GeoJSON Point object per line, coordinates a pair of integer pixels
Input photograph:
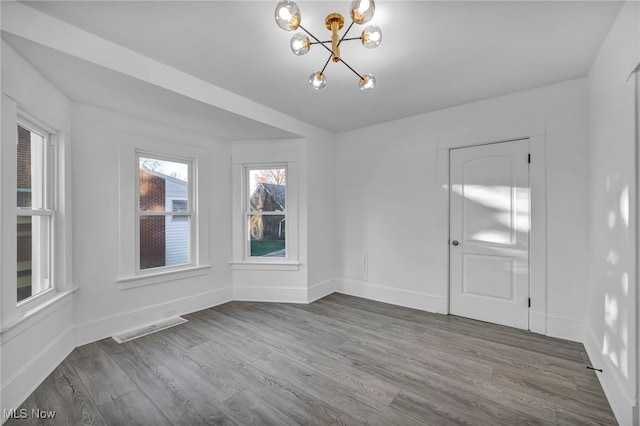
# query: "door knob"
{"type": "Point", "coordinates": [454, 243]}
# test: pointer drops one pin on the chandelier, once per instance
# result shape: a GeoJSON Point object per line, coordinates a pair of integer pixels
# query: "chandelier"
{"type": "Point", "coordinates": [288, 18]}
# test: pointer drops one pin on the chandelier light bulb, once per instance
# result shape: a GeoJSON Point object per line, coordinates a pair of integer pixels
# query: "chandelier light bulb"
{"type": "Point", "coordinates": [371, 36]}
{"type": "Point", "coordinates": [287, 15]}
{"type": "Point", "coordinates": [367, 82]}
{"type": "Point", "coordinates": [362, 10]}
{"type": "Point", "coordinates": [300, 44]}
{"type": "Point", "coordinates": [317, 80]}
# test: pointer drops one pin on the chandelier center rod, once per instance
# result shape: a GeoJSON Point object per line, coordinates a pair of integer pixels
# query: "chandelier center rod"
{"type": "Point", "coordinates": [334, 23]}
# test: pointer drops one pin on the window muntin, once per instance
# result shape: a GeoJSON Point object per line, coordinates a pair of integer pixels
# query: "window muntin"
{"type": "Point", "coordinates": [265, 213]}
{"type": "Point", "coordinates": [34, 221]}
{"type": "Point", "coordinates": [164, 212]}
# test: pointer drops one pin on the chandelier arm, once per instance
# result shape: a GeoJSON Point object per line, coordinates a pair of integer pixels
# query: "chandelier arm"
{"type": "Point", "coordinates": [315, 38]}
{"type": "Point", "coordinates": [354, 71]}
{"type": "Point", "coordinates": [345, 33]}
{"type": "Point", "coordinates": [329, 41]}
{"type": "Point", "coordinates": [326, 63]}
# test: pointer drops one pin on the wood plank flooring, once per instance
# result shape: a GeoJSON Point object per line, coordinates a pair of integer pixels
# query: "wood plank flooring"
{"type": "Point", "coordinates": [339, 361]}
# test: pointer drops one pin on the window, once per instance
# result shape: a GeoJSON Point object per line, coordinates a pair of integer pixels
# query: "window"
{"type": "Point", "coordinates": [163, 235]}
{"type": "Point", "coordinates": [265, 212]}
{"type": "Point", "coordinates": [164, 212]}
{"type": "Point", "coordinates": [265, 181]}
{"type": "Point", "coordinates": [34, 201]}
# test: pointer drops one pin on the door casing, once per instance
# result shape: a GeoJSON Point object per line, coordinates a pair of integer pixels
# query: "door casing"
{"type": "Point", "coordinates": [537, 241]}
{"type": "Point", "coordinates": [478, 237]}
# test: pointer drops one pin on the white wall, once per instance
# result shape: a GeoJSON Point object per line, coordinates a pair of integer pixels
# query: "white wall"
{"type": "Point", "coordinates": [612, 282]}
{"type": "Point", "coordinates": [388, 213]}
{"type": "Point", "coordinates": [308, 273]}
{"type": "Point", "coordinates": [101, 307]}
{"type": "Point", "coordinates": [321, 221]}
{"type": "Point", "coordinates": [27, 358]}
{"type": "Point", "coordinates": [282, 280]}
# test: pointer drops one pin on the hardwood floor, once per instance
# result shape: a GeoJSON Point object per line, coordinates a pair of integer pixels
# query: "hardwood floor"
{"type": "Point", "coordinates": [339, 361]}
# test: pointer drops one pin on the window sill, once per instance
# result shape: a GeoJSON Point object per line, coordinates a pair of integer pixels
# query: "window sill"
{"type": "Point", "coordinates": [251, 265]}
{"type": "Point", "coordinates": [33, 315]}
{"type": "Point", "coordinates": [126, 283]}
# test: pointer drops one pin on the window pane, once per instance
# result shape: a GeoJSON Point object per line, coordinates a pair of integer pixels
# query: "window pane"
{"type": "Point", "coordinates": [24, 167]}
{"type": "Point", "coordinates": [177, 240]}
{"type": "Point", "coordinates": [163, 242]}
{"type": "Point", "coordinates": [32, 261]}
{"type": "Point", "coordinates": [267, 235]}
{"type": "Point", "coordinates": [179, 206]}
{"type": "Point", "coordinates": [152, 242]}
{"type": "Point", "coordinates": [160, 182]}
{"type": "Point", "coordinates": [267, 190]}
{"type": "Point", "coordinates": [30, 169]}
{"type": "Point", "coordinates": [25, 257]}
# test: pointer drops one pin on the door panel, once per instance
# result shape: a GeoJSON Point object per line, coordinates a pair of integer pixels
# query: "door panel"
{"type": "Point", "coordinates": [489, 232]}
{"type": "Point", "coordinates": [488, 276]}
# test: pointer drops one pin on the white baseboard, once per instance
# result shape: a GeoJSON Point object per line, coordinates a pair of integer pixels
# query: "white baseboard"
{"type": "Point", "coordinates": [320, 290]}
{"type": "Point", "coordinates": [564, 328]}
{"type": "Point", "coordinates": [284, 294]}
{"type": "Point", "coordinates": [108, 326]}
{"type": "Point", "coordinates": [270, 294]}
{"type": "Point", "coordinates": [613, 384]}
{"type": "Point", "coordinates": [23, 382]}
{"type": "Point", "coordinates": [395, 296]}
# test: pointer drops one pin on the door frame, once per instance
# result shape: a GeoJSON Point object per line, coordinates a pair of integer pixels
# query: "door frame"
{"type": "Point", "coordinates": [537, 219]}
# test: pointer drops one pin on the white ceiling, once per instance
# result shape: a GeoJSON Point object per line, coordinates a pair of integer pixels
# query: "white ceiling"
{"type": "Point", "coordinates": [98, 86]}
{"type": "Point", "coordinates": [434, 54]}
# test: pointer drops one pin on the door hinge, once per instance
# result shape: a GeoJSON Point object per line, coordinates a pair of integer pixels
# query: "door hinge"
{"type": "Point", "coordinates": [529, 158]}
{"type": "Point", "coordinates": [529, 302]}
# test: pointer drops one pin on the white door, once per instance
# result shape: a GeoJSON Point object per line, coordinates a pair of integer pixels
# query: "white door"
{"type": "Point", "coordinates": [489, 233]}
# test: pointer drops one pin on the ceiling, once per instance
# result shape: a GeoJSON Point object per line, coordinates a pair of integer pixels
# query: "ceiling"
{"type": "Point", "coordinates": [434, 55]}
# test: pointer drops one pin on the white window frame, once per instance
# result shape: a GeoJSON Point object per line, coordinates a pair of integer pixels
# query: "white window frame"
{"type": "Point", "coordinates": [129, 274]}
{"type": "Point", "coordinates": [268, 160]}
{"type": "Point", "coordinates": [15, 316]}
{"type": "Point", "coordinates": [246, 196]}
{"type": "Point", "coordinates": [190, 213]}
{"type": "Point", "coordinates": [43, 277]}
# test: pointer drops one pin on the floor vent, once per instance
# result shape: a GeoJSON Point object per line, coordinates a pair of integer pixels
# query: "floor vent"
{"type": "Point", "coordinates": [148, 329]}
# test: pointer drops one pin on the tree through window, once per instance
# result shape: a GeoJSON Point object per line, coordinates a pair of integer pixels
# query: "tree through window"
{"type": "Point", "coordinates": [266, 212]}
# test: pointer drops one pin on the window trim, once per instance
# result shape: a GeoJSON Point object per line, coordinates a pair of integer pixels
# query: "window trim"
{"type": "Point", "coordinates": [15, 318]}
{"type": "Point", "coordinates": [239, 260]}
{"type": "Point", "coordinates": [130, 144]}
